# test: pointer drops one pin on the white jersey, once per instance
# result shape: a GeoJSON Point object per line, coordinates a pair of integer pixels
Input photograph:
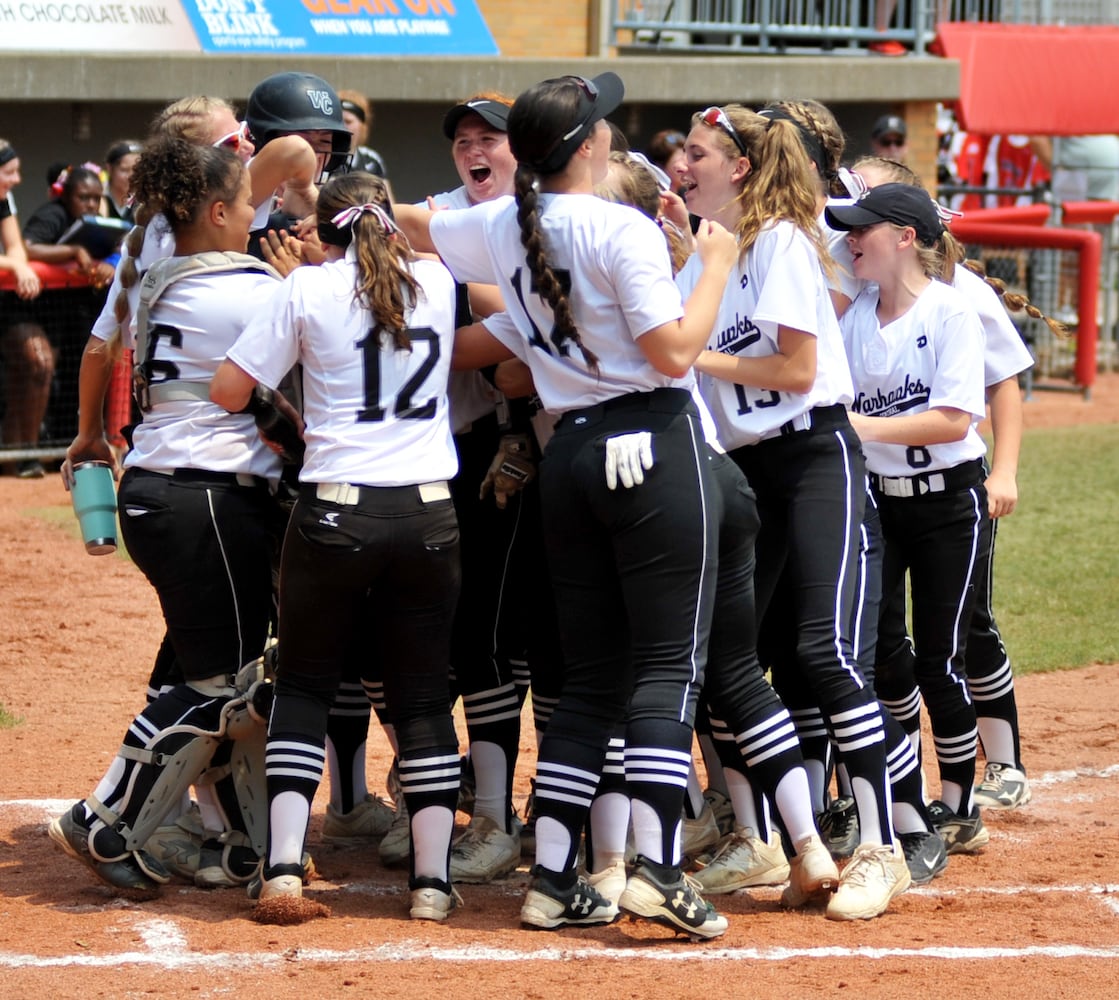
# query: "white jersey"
{"type": "Point", "coordinates": [1004, 353]}
{"type": "Point", "coordinates": [192, 325]}
{"type": "Point", "coordinates": [472, 397]}
{"type": "Point", "coordinates": [374, 415]}
{"type": "Point", "coordinates": [502, 328]}
{"type": "Point", "coordinates": [778, 283]}
{"type": "Point", "coordinates": [451, 199]}
{"type": "Point", "coordinates": [927, 358]}
{"type": "Point", "coordinates": [616, 262]}
{"type": "Point", "coordinates": [158, 243]}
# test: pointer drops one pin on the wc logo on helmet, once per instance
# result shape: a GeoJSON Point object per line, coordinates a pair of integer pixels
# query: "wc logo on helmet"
{"type": "Point", "coordinates": [321, 100]}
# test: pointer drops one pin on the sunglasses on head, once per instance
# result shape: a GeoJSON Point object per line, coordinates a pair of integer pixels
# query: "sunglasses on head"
{"type": "Point", "coordinates": [591, 92]}
{"type": "Point", "coordinates": [586, 86]}
{"type": "Point", "coordinates": [233, 140]}
{"type": "Point", "coordinates": [717, 118]}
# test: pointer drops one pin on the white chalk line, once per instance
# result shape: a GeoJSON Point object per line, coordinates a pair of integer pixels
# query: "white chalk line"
{"type": "Point", "coordinates": [174, 959]}
{"type": "Point", "coordinates": [167, 945]}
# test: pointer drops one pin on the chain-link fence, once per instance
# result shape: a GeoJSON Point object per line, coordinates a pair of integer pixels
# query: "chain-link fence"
{"type": "Point", "coordinates": [1059, 270]}
{"type": "Point", "coordinates": [41, 344]}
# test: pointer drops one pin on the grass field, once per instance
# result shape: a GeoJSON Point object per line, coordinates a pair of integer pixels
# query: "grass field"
{"type": "Point", "coordinates": [1056, 592]}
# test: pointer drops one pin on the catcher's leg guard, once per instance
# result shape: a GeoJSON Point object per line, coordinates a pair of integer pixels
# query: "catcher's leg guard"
{"type": "Point", "coordinates": [237, 779]}
{"type": "Point", "coordinates": [165, 750]}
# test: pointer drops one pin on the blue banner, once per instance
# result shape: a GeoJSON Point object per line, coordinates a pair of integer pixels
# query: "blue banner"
{"type": "Point", "coordinates": [342, 27]}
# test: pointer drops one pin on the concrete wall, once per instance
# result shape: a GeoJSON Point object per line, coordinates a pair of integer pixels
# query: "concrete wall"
{"type": "Point", "coordinates": [71, 107]}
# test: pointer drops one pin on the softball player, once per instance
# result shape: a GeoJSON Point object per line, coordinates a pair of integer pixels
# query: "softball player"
{"type": "Point", "coordinates": [197, 517]}
{"type": "Point", "coordinates": [777, 382]}
{"type": "Point", "coordinates": [924, 850]}
{"type": "Point", "coordinates": [373, 539]}
{"type": "Point", "coordinates": [601, 326]}
{"type": "Point", "coordinates": [204, 121]}
{"type": "Point", "coordinates": [758, 744]}
{"type": "Point", "coordinates": [990, 679]}
{"type": "Point", "coordinates": [488, 641]}
{"type": "Point", "coordinates": [500, 532]}
{"type": "Point", "coordinates": [912, 342]}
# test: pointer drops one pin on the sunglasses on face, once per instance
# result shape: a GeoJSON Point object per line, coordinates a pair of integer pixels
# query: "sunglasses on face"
{"type": "Point", "coordinates": [233, 140]}
{"type": "Point", "coordinates": [891, 142]}
{"type": "Point", "coordinates": [717, 118]}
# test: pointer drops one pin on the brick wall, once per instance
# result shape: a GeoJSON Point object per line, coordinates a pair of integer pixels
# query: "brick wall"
{"type": "Point", "coordinates": [920, 119]}
{"type": "Point", "coordinates": [538, 30]}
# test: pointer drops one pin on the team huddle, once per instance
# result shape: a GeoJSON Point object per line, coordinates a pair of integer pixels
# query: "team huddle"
{"type": "Point", "coordinates": [664, 459]}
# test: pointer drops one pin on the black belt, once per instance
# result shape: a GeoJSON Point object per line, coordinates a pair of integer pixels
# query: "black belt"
{"type": "Point", "coordinates": [818, 418]}
{"type": "Point", "coordinates": [223, 478]}
{"type": "Point", "coordinates": [954, 480]}
{"type": "Point", "coordinates": [664, 400]}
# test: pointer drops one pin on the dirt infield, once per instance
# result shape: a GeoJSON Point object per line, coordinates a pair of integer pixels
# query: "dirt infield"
{"type": "Point", "coordinates": [1035, 916]}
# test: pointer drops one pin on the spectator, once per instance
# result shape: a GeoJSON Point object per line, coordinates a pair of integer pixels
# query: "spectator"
{"type": "Point", "coordinates": [1013, 162]}
{"type": "Point", "coordinates": [27, 359]}
{"type": "Point", "coordinates": [890, 138]}
{"type": "Point", "coordinates": [666, 150]}
{"type": "Point", "coordinates": [357, 116]}
{"type": "Point", "coordinates": [1084, 167]}
{"type": "Point", "coordinates": [120, 161]}
{"type": "Point", "coordinates": [54, 172]}
{"type": "Point", "coordinates": [79, 194]}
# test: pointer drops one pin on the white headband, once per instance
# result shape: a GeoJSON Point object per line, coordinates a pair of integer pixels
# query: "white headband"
{"type": "Point", "coordinates": [662, 179]}
{"type": "Point", "coordinates": [853, 182]}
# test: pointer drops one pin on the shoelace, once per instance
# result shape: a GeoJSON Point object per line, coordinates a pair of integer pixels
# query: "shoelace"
{"type": "Point", "coordinates": [860, 871]}
{"type": "Point", "coordinates": [992, 781]}
{"type": "Point", "coordinates": [740, 841]}
{"type": "Point", "coordinates": [697, 891]}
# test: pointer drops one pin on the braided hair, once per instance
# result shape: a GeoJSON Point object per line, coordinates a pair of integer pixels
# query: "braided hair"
{"type": "Point", "coordinates": [538, 122]}
{"type": "Point", "coordinates": [953, 252]}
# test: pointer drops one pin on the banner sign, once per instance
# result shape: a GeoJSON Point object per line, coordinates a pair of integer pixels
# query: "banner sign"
{"type": "Point", "coordinates": [305, 27]}
{"type": "Point", "coordinates": [342, 27]}
{"type": "Point", "coordinates": [96, 27]}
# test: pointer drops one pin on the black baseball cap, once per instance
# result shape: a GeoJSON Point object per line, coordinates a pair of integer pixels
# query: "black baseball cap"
{"type": "Point", "coordinates": [903, 204]}
{"type": "Point", "coordinates": [889, 125]}
{"type": "Point", "coordinates": [598, 97]}
{"type": "Point", "coordinates": [493, 113]}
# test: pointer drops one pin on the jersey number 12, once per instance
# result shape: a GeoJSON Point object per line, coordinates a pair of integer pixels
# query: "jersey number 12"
{"type": "Point", "coordinates": [402, 407]}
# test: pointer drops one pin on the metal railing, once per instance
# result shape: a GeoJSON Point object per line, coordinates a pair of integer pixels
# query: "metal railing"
{"type": "Point", "coordinates": [821, 26]}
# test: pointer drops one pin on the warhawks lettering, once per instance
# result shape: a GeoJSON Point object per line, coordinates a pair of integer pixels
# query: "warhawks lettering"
{"type": "Point", "coordinates": [911, 394]}
{"type": "Point", "coordinates": [735, 338]}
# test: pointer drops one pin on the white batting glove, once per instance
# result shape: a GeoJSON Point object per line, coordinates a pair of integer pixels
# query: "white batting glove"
{"type": "Point", "coordinates": [628, 456]}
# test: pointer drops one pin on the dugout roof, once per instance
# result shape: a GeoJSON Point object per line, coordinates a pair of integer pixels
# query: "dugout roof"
{"type": "Point", "coordinates": [1034, 79]}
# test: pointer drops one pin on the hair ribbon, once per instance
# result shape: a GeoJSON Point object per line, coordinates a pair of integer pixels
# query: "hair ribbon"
{"type": "Point", "coordinates": [349, 216]}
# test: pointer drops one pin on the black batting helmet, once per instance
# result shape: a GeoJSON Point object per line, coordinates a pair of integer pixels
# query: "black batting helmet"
{"type": "Point", "coordinates": [297, 102]}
